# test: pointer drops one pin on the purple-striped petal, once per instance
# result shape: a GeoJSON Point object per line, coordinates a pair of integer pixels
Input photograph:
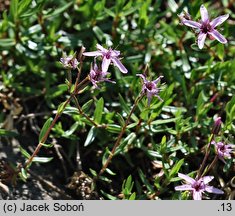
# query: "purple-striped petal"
{"type": "Point", "coordinates": [115, 53]}
{"type": "Point", "coordinates": [186, 178]}
{"type": "Point", "coordinates": [204, 14]}
{"type": "Point", "coordinates": [105, 64]}
{"type": "Point", "coordinates": [99, 47]}
{"type": "Point", "coordinates": [207, 179]}
{"type": "Point", "coordinates": [93, 53]}
{"type": "Point", "coordinates": [219, 20]}
{"type": "Point", "coordinates": [184, 187]}
{"type": "Point", "coordinates": [192, 24]}
{"type": "Point", "coordinates": [197, 195]}
{"type": "Point", "coordinates": [156, 81]}
{"type": "Point", "coordinates": [211, 189]}
{"type": "Point", "coordinates": [120, 66]}
{"type": "Point", "coordinates": [218, 36]}
{"type": "Point", "coordinates": [143, 77]}
{"type": "Point", "coordinates": [201, 40]}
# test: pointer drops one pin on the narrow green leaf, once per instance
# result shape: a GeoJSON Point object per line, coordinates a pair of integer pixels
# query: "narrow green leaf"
{"type": "Point", "coordinates": [106, 155]}
{"type": "Point", "coordinates": [69, 132]}
{"type": "Point", "coordinates": [220, 51]}
{"type": "Point", "coordinates": [99, 110]}
{"type": "Point", "coordinates": [47, 145]}
{"type": "Point", "coordinates": [23, 6]}
{"type": "Point", "coordinates": [109, 171]}
{"type": "Point", "coordinates": [163, 145]}
{"type": "Point", "coordinates": [87, 106]}
{"type": "Point", "coordinates": [71, 110]}
{"type": "Point", "coordinates": [7, 42]}
{"type": "Point", "coordinates": [7, 133]}
{"type": "Point", "coordinates": [128, 183]}
{"type": "Point", "coordinates": [132, 196]}
{"type": "Point", "coordinates": [130, 138]}
{"type": "Point", "coordinates": [123, 104]}
{"type": "Point", "coordinates": [108, 195]}
{"type": "Point", "coordinates": [195, 47]}
{"type": "Point", "coordinates": [23, 173]}
{"type": "Point", "coordinates": [45, 128]}
{"type": "Point", "coordinates": [14, 9]}
{"type": "Point", "coordinates": [120, 119]}
{"type": "Point", "coordinates": [93, 172]}
{"type": "Point", "coordinates": [104, 178]}
{"type": "Point", "coordinates": [176, 168]}
{"type": "Point", "coordinates": [126, 108]}
{"type": "Point", "coordinates": [91, 136]}
{"type": "Point", "coordinates": [24, 152]}
{"type": "Point", "coordinates": [145, 181]}
{"type": "Point", "coordinates": [42, 159]}
{"type": "Point", "coordinates": [59, 10]}
{"type": "Point", "coordinates": [172, 5]}
{"type": "Point", "coordinates": [61, 108]}
{"type": "Point", "coordinates": [57, 91]}
{"type": "Point", "coordinates": [98, 32]}
{"type": "Point", "coordinates": [230, 112]}
{"type": "Point", "coordinates": [113, 128]}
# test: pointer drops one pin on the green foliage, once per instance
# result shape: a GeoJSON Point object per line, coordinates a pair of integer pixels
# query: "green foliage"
{"type": "Point", "coordinates": [127, 187]}
{"type": "Point", "coordinates": [99, 110]}
{"type": "Point", "coordinates": [44, 130]}
{"type": "Point", "coordinates": [160, 140]}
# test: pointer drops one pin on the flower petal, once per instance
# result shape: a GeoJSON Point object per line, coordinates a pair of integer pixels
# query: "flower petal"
{"type": "Point", "coordinates": [143, 77]}
{"type": "Point", "coordinates": [211, 189]}
{"type": "Point", "coordinates": [115, 53]}
{"type": "Point", "coordinates": [218, 36]}
{"type": "Point", "coordinates": [99, 47]}
{"type": "Point", "coordinates": [120, 66]}
{"type": "Point", "coordinates": [93, 53]}
{"type": "Point", "coordinates": [105, 64]}
{"type": "Point", "coordinates": [157, 80]}
{"type": "Point", "coordinates": [186, 178]}
{"type": "Point", "coordinates": [219, 20]}
{"type": "Point", "coordinates": [197, 195]}
{"type": "Point", "coordinates": [192, 24]}
{"type": "Point", "coordinates": [204, 14]}
{"type": "Point", "coordinates": [201, 40]}
{"type": "Point", "coordinates": [184, 187]}
{"type": "Point", "coordinates": [207, 179]}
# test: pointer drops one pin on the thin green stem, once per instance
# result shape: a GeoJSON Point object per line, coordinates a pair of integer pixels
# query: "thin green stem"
{"type": "Point", "coordinates": [44, 138]}
{"type": "Point", "coordinates": [58, 114]}
{"type": "Point", "coordinates": [78, 75]}
{"type": "Point", "coordinates": [210, 166]}
{"type": "Point", "coordinates": [199, 173]}
{"type": "Point", "coordinates": [79, 71]}
{"type": "Point", "coordinates": [117, 143]}
{"type": "Point", "coordinates": [82, 113]}
{"type": "Point", "coordinates": [81, 85]}
{"type": "Point", "coordinates": [69, 74]}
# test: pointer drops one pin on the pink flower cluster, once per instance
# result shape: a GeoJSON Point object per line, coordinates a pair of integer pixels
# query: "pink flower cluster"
{"type": "Point", "coordinates": [197, 186]}
{"type": "Point", "coordinates": [205, 27]}
{"type": "Point", "coordinates": [109, 56]}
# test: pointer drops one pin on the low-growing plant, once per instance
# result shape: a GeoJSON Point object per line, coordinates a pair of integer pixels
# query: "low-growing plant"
{"type": "Point", "coordinates": [136, 119]}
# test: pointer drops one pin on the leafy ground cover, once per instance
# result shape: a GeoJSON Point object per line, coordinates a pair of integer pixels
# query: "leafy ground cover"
{"type": "Point", "coordinates": [148, 113]}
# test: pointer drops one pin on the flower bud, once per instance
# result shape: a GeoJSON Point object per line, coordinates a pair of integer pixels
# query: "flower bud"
{"type": "Point", "coordinates": [217, 126]}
